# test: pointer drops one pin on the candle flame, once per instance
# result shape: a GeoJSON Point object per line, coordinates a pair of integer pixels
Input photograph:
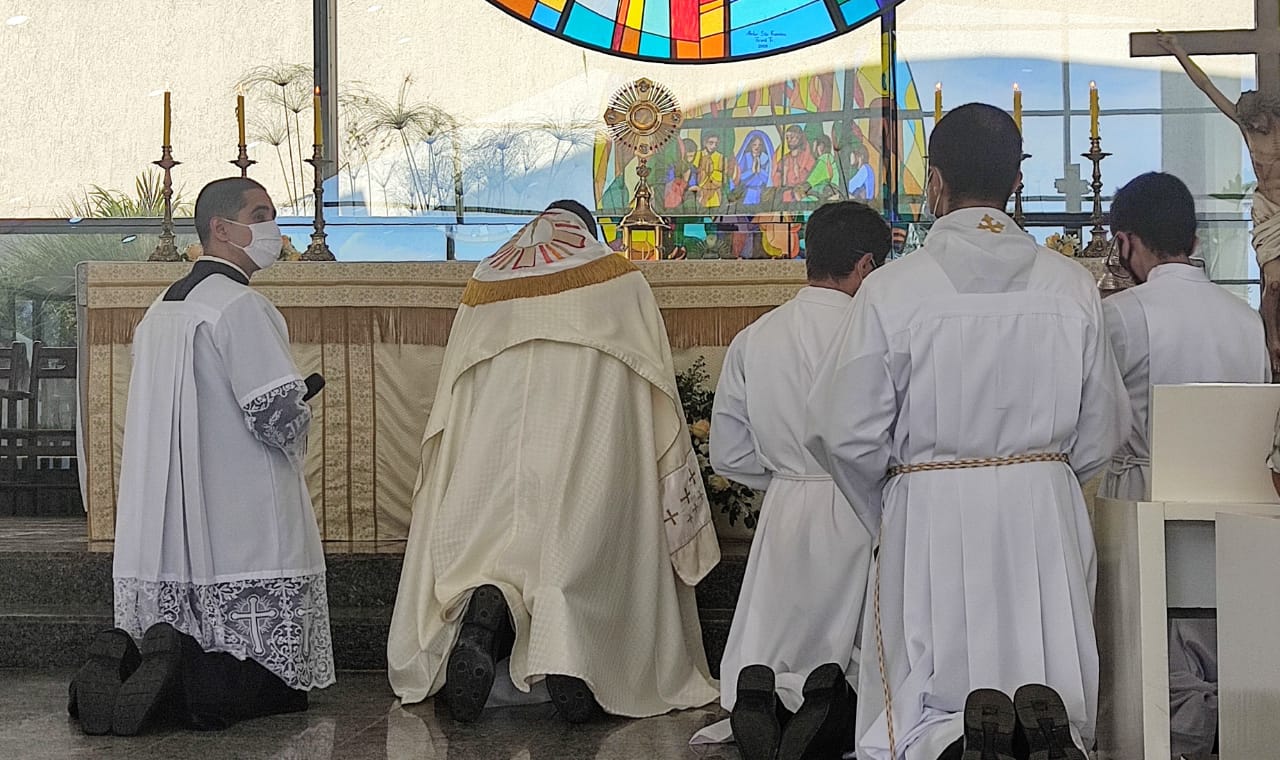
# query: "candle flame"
{"type": "Point", "coordinates": [240, 90]}
{"type": "Point", "coordinates": [1015, 86]}
{"type": "Point", "coordinates": [1093, 85]}
{"type": "Point", "coordinates": [938, 87]}
{"type": "Point", "coordinates": [317, 91]}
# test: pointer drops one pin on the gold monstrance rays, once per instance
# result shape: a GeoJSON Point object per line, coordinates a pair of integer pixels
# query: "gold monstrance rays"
{"type": "Point", "coordinates": [643, 115]}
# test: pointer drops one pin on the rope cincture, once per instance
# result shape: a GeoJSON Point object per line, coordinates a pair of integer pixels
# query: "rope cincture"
{"type": "Point", "coordinates": [884, 671]}
{"type": "Point", "coordinates": [904, 469]}
{"type": "Point", "coordinates": [968, 464]}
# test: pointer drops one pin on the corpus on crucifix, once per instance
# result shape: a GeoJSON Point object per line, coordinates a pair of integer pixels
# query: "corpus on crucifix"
{"type": "Point", "coordinates": [1257, 113]}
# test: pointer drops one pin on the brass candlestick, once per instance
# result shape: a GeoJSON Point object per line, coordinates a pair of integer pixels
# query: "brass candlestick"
{"type": "Point", "coordinates": [167, 250]}
{"type": "Point", "coordinates": [319, 249]}
{"type": "Point", "coordinates": [243, 161]}
{"type": "Point", "coordinates": [1098, 242]}
{"type": "Point", "coordinates": [1019, 218]}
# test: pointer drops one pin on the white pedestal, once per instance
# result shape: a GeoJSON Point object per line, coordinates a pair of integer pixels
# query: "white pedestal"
{"type": "Point", "coordinates": [1248, 635]}
{"type": "Point", "coordinates": [1209, 477]}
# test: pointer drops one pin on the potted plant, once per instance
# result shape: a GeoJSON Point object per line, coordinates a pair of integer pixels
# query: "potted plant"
{"type": "Point", "coordinates": [730, 502]}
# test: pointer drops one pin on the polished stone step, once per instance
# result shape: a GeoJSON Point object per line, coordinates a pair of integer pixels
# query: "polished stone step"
{"type": "Point", "coordinates": [55, 594]}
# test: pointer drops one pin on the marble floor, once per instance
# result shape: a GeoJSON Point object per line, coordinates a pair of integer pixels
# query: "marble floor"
{"type": "Point", "coordinates": [357, 719]}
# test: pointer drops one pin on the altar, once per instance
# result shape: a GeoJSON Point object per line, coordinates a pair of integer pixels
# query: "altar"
{"type": "Point", "coordinates": [376, 332]}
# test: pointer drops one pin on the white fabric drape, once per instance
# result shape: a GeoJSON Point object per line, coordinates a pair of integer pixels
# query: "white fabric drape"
{"type": "Point", "coordinates": [557, 466]}
{"type": "Point", "coordinates": [215, 532]}
{"type": "Point", "coordinates": [1177, 327]}
{"type": "Point", "coordinates": [802, 595]}
{"type": "Point", "coordinates": [980, 344]}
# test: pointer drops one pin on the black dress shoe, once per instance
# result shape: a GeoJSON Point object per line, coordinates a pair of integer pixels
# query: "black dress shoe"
{"type": "Point", "coordinates": [473, 660]}
{"type": "Point", "coordinates": [113, 657]}
{"type": "Point", "coordinates": [1043, 720]}
{"type": "Point", "coordinates": [754, 719]}
{"type": "Point", "coordinates": [156, 686]}
{"type": "Point", "coordinates": [822, 728]}
{"type": "Point", "coordinates": [989, 725]}
{"type": "Point", "coordinates": [573, 699]}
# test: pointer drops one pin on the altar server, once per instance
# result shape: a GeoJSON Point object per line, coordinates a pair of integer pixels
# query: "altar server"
{"type": "Point", "coordinates": [1175, 326]}
{"type": "Point", "coordinates": [794, 637]}
{"type": "Point", "coordinates": [560, 514]}
{"type": "Point", "coordinates": [969, 391]}
{"type": "Point", "coordinates": [219, 572]}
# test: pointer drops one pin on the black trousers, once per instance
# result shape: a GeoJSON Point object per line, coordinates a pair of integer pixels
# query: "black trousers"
{"type": "Point", "coordinates": [219, 690]}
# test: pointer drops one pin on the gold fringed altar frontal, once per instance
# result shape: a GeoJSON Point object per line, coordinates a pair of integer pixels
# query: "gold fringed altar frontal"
{"type": "Point", "coordinates": [689, 328]}
{"type": "Point", "coordinates": [377, 333]}
{"type": "Point", "coordinates": [413, 326]}
{"type": "Point", "coordinates": [686, 327]}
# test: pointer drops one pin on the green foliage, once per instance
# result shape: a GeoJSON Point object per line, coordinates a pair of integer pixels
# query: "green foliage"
{"type": "Point", "coordinates": [41, 269]}
{"type": "Point", "coordinates": [147, 200]}
{"type": "Point", "coordinates": [1235, 190]}
{"type": "Point", "coordinates": [696, 396]}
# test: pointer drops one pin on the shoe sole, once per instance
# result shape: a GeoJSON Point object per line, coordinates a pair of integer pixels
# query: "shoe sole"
{"type": "Point", "coordinates": [819, 697]}
{"type": "Point", "coordinates": [471, 669]}
{"type": "Point", "coordinates": [573, 699]}
{"type": "Point", "coordinates": [142, 695]}
{"type": "Point", "coordinates": [98, 682]}
{"type": "Point", "coordinates": [989, 719]}
{"type": "Point", "coordinates": [1045, 722]}
{"type": "Point", "coordinates": [754, 719]}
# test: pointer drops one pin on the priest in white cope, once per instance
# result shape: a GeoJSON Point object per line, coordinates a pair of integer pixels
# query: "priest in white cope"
{"type": "Point", "coordinates": [1175, 326]}
{"type": "Point", "coordinates": [218, 566]}
{"type": "Point", "coordinates": [970, 390]}
{"type": "Point", "coordinates": [560, 516]}
{"type": "Point", "coordinates": [794, 638]}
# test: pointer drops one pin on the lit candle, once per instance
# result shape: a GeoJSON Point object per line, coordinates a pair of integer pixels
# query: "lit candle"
{"type": "Point", "coordinates": [316, 108]}
{"type": "Point", "coordinates": [168, 120]}
{"type": "Point", "coordinates": [1093, 110]}
{"type": "Point", "coordinates": [1017, 106]}
{"type": "Point", "coordinates": [240, 114]}
{"type": "Point", "coordinates": [937, 102]}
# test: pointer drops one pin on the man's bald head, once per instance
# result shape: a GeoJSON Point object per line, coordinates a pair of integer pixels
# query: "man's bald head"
{"type": "Point", "coordinates": [977, 150]}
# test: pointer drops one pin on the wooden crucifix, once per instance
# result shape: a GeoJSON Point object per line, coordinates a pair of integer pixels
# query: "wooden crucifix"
{"type": "Point", "coordinates": [1262, 41]}
{"type": "Point", "coordinates": [1257, 113]}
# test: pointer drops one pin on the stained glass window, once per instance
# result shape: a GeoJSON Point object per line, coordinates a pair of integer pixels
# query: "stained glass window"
{"type": "Point", "coordinates": [695, 31]}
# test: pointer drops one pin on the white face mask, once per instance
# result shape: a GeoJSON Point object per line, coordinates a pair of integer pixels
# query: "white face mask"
{"type": "Point", "coordinates": [264, 242]}
{"type": "Point", "coordinates": [927, 212]}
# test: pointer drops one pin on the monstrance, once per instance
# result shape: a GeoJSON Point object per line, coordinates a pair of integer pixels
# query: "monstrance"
{"type": "Point", "coordinates": [643, 115]}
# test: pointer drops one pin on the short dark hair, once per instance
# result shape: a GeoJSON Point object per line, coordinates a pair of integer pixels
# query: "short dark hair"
{"type": "Point", "coordinates": [582, 211]}
{"type": "Point", "coordinates": [221, 197]}
{"type": "Point", "coordinates": [978, 151]}
{"type": "Point", "coordinates": [1157, 208]}
{"type": "Point", "coordinates": [839, 234]}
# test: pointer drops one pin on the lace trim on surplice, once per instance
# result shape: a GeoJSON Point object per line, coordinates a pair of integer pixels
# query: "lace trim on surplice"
{"type": "Point", "coordinates": [281, 623]}
{"type": "Point", "coordinates": [280, 418]}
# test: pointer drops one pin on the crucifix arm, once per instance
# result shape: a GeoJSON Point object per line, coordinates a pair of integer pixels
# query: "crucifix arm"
{"type": "Point", "coordinates": [1201, 80]}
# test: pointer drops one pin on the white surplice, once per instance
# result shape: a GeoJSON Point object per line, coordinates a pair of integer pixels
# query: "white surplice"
{"type": "Point", "coordinates": [802, 595]}
{"type": "Point", "coordinates": [215, 532]}
{"type": "Point", "coordinates": [1179, 327]}
{"type": "Point", "coordinates": [979, 344]}
{"type": "Point", "coordinates": [557, 466]}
